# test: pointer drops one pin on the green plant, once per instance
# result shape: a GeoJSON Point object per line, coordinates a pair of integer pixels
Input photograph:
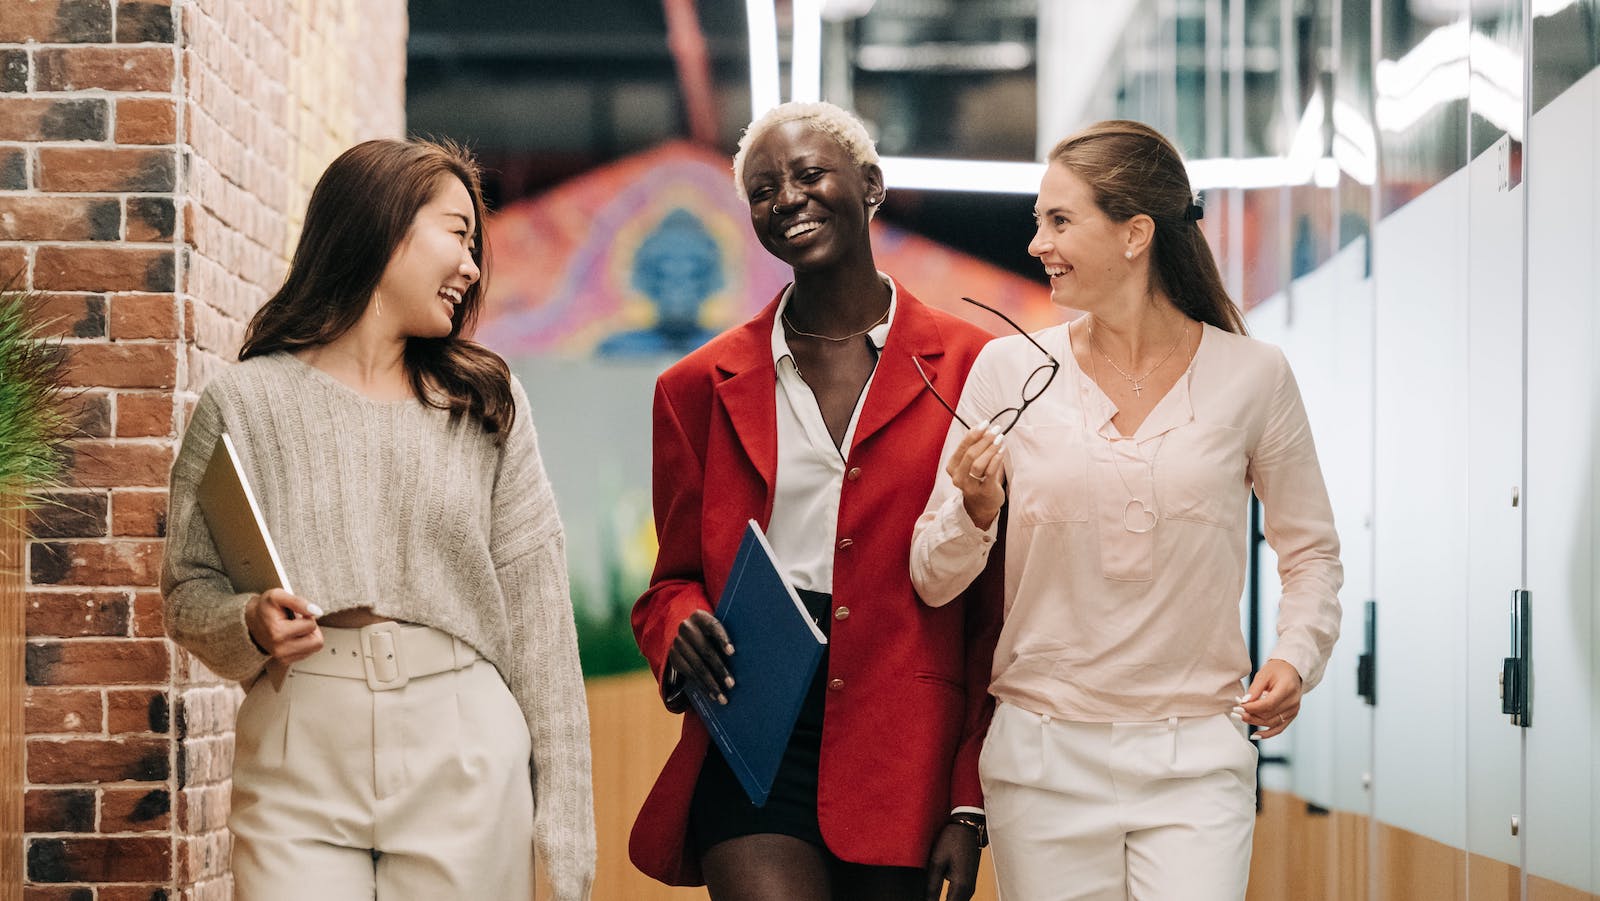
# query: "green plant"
{"type": "Point", "coordinates": [33, 423]}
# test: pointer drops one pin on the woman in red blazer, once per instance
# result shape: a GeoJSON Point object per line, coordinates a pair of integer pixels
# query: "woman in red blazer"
{"type": "Point", "coordinates": [812, 420]}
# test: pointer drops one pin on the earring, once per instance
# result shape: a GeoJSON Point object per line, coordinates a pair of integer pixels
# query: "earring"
{"type": "Point", "coordinates": [1128, 254]}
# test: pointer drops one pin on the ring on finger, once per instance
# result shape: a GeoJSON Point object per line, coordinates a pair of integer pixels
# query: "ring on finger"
{"type": "Point", "coordinates": [977, 476]}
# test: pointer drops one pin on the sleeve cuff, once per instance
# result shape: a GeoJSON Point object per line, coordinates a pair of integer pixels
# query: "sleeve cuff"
{"type": "Point", "coordinates": [976, 810]}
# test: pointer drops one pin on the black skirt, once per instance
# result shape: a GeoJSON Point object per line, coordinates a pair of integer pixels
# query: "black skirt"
{"type": "Point", "coordinates": [720, 810]}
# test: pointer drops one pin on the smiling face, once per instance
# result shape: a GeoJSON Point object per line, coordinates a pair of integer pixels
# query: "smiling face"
{"type": "Point", "coordinates": [808, 198]}
{"type": "Point", "coordinates": [1081, 248]}
{"type": "Point", "coordinates": [432, 269]}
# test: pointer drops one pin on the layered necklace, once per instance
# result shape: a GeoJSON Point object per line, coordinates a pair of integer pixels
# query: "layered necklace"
{"type": "Point", "coordinates": [1136, 380]}
{"type": "Point", "coordinates": [1138, 517]}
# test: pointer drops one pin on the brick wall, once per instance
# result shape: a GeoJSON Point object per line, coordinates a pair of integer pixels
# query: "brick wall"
{"type": "Point", "coordinates": [155, 158]}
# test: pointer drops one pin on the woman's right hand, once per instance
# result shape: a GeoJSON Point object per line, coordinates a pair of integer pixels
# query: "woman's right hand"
{"type": "Point", "coordinates": [699, 654]}
{"type": "Point", "coordinates": [283, 626]}
{"type": "Point", "coordinates": [977, 467]}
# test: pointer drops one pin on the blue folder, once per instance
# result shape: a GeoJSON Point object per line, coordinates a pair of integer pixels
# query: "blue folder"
{"type": "Point", "coordinates": [776, 648]}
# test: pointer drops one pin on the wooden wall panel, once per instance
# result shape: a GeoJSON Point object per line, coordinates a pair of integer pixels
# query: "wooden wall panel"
{"type": "Point", "coordinates": [12, 688]}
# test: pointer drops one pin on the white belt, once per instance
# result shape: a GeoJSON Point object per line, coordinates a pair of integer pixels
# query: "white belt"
{"type": "Point", "coordinates": [387, 655]}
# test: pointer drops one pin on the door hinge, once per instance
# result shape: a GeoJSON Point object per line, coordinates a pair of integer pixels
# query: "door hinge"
{"type": "Point", "coordinates": [1367, 662]}
{"type": "Point", "coordinates": [1516, 673]}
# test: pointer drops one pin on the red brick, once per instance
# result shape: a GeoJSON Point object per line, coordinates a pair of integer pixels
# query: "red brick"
{"type": "Point", "coordinates": [56, 21]}
{"type": "Point", "coordinates": [122, 365]}
{"type": "Point", "coordinates": [139, 514]}
{"type": "Point", "coordinates": [78, 614]}
{"type": "Point", "coordinates": [103, 269]}
{"type": "Point", "coordinates": [145, 415]}
{"type": "Point", "coordinates": [88, 413]}
{"type": "Point", "coordinates": [128, 69]}
{"type": "Point", "coordinates": [69, 315]}
{"type": "Point", "coordinates": [148, 612]}
{"type": "Point", "coordinates": [70, 514]}
{"type": "Point", "coordinates": [72, 761]}
{"type": "Point", "coordinates": [81, 169]}
{"type": "Point", "coordinates": [126, 561]}
{"type": "Point", "coordinates": [93, 662]}
{"type": "Point", "coordinates": [108, 464]}
{"type": "Point", "coordinates": [58, 809]}
{"type": "Point", "coordinates": [13, 263]}
{"type": "Point", "coordinates": [45, 218]}
{"type": "Point", "coordinates": [143, 315]}
{"type": "Point", "coordinates": [144, 22]}
{"type": "Point", "coordinates": [137, 710]}
{"type": "Point", "coordinates": [152, 892]}
{"type": "Point", "coordinates": [25, 118]}
{"type": "Point", "coordinates": [146, 120]}
{"type": "Point", "coordinates": [13, 169]}
{"type": "Point", "coordinates": [151, 219]}
{"type": "Point", "coordinates": [62, 893]}
{"type": "Point", "coordinates": [135, 810]}
{"type": "Point", "coordinates": [131, 859]}
{"type": "Point", "coordinates": [50, 711]}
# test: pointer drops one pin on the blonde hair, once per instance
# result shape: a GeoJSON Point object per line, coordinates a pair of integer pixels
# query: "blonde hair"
{"type": "Point", "coordinates": [833, 121]}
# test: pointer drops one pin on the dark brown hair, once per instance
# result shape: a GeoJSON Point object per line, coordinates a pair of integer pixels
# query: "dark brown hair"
{"type": "Point", "coordinates": [1132, 169]}
{"type": "Point", "coordinates": [360, 212]}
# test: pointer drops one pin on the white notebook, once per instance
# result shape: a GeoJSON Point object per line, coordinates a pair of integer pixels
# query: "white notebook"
{"type": "Point", "coordinates": [237, 527]}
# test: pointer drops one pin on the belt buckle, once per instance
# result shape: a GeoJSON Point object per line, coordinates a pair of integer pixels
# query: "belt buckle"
{"type": "Point", "coordinates": [380, 657]}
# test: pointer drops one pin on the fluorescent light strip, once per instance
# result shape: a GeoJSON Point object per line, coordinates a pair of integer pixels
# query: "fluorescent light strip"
{"type": "Point", "coordinates": [805, 58]}
{"type": "Point", "coordinates": [924, 174]}
{"type": "Point", "coordinates": [762, 17]}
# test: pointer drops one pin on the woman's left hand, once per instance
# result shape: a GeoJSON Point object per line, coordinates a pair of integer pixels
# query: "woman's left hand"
{"type": "Point", "coordinates": [954, 859]}
{"type": "Point", "coordinates": [1273, 700]}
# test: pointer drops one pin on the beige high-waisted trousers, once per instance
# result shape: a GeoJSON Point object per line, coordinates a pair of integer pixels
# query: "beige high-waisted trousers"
{"type": "Point", "coordinates": [1160, 811]}
{"type": "Point", "coordinates": [420, 792]}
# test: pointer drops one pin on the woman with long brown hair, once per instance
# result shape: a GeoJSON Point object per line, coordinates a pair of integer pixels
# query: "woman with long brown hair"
{"type": "Point", "coordinates": [414, 724]}
{"type": "Point", "coordinates": [1117, 764]}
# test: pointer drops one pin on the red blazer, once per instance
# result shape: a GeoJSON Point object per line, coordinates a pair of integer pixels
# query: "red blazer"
{"type": "Point", "coordinates": [900, 739]}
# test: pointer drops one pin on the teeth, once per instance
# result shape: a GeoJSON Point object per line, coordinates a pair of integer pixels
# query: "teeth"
{"type": "Point", "coordinates": [1054, 271]}
{"type": "Point", "coordinates": [451, 295]}
{"type": "Point", "coordinates": [801, 228]}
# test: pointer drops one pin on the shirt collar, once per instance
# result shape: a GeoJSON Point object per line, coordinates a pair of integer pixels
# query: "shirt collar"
{"type": "Point", "coordinates": [878, 335]}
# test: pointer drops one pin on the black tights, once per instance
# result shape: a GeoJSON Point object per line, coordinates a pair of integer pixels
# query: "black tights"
{"type": "Point", "coordinates": [771, 867]}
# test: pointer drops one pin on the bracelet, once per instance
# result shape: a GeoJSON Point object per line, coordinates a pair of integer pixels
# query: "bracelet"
{"type": "Point", "coordinates": [974, 821]}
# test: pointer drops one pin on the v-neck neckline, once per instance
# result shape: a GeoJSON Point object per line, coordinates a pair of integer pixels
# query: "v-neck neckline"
{"type": "Point", "coordinates": [1173, 409]}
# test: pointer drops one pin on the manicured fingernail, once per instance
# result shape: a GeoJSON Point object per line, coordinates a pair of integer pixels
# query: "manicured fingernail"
{"type": "Point", "coordinates": [1243, 699]}
{"type": "Point", "coordinates": [1238, 711]}
{"type": "Point", "coordinates": [728, 681]}
{"type": "Point", "coordinates": [728, 648]}
{"type": "Point", "coordinates": [983, 425]}
{"type": "Point", "coordinates": [313, 609]}
{"type": "Point", "coordinates": [1255, 736]}
{"type": "Point", "coordinates": [999, 439]}
{"type": "Point", "coordinates": [722, 699]}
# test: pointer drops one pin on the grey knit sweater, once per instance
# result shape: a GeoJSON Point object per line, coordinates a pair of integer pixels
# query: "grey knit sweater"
{"type": "Point", "coordinates": [392, 506]}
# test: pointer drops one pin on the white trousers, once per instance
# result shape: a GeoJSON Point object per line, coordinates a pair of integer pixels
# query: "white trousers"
{"type": "Point", "coordinates": [1161, 811]}
{"type": "Point", "coordinates": [343, 793]}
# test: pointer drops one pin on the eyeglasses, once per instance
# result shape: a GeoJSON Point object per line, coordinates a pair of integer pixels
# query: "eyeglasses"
{"type": "Point", "coordinates": [1032, 387]}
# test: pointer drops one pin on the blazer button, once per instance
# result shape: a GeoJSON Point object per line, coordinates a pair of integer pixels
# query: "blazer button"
{"type": "Point", "coordinates": [836, 684]}
{"type": "Point", "coordinates": [853, 474]}
{"type": "Point", "coordinates": [844, 543]}
{"type": "Point", "coordinates": [842, 613]}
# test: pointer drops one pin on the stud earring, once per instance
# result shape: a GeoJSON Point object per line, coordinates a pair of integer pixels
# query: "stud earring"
{"type": "Point", "coordinates": [1128, 254]}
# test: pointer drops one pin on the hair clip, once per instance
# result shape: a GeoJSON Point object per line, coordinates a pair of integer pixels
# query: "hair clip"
{"type": "Point", "coordinates": [1194, 213]}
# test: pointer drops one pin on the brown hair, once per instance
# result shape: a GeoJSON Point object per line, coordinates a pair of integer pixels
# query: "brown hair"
{"type": "Point", "coordinates": [1132, 169]}
{"type": "Point", "coordinates": [360, 212]}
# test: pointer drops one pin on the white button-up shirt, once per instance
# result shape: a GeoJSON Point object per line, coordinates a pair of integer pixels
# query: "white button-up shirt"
{"type": "Point", "coordinates": [805, 507]}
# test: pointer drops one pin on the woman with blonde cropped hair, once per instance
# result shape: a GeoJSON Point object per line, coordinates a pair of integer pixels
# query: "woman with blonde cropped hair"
{"type": "Point", "coordinates": [1117, 764]}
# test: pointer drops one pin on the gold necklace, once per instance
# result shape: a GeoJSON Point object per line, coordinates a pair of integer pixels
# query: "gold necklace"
{"type": "Point", "coordinates": [1150, 511]}
{"type": "Point", "coordinates": [797, 331]}
{"type": "Point", "coordinates": [1137, 381]}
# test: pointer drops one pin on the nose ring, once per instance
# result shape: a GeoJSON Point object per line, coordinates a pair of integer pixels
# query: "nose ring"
{"type": "Point", "coordinates": [775, 210]}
